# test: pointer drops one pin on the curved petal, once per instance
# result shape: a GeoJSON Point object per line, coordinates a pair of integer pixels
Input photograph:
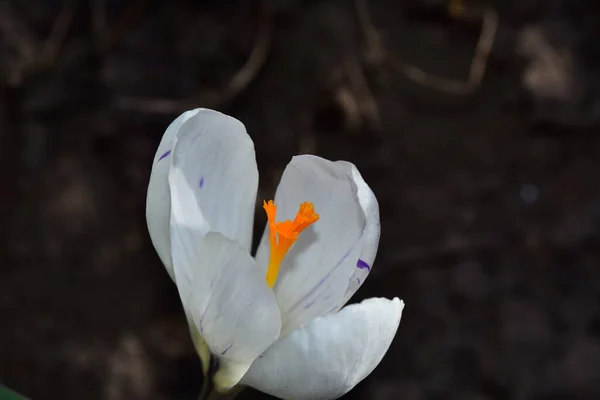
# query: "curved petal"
{"type": "Point", "coordinates": [158, 200]}
{"type": "Point", "coordinates": [212, 181]}
{"type": "Point", "coordinates": [188, 228]}
{"type": "Point", "coordinates": [316, 273]}
{"type": "Point", "coordinates": [215, 157]}
{"type": "Point", "coordinates": [331, 355]}
{"type": "Point", "coordinates": [369, 241]}
{"type": "Point", "coordinates": [222, 290]}
{"type": "Point", "coordinates": [231, 305]}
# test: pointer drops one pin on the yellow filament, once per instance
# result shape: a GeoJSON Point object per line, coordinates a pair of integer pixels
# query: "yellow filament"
{"type": "Point", "coordinates": [282, 235]}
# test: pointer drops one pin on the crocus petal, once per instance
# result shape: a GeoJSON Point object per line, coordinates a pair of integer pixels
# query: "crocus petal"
{"type": "Point", "coordinates": [213, 181]}
{"type": "Point", "coordinates": [330, 356]}
{"type": "Point", "coordinates": [231, 305]}
{"type": "Point", "coordinates": [221, 288]}
{"type": "Point", "coordinates": [216, 157]}
{"type": "Point", "coordinates": [158, 200]}
{"type": "Point", "coordinates": [315, 275]}
{"type": "Point", "coordinates": [369, 241]}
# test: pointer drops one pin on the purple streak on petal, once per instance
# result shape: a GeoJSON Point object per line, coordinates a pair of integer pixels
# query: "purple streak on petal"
{"type": "Point", "coordinates": [164, 155]}
{"type": "Point", "coordinates": [201, 183]}
{"type": "Point", "coordinates": [201, 324]}
{"type": "Point", "coordinates": [326, 277]}
{"type": "Point", "coordinates": [321, 282]}
{"type": "Point", "coordinates": [310, 304]}
{"type": "Point", "coordinates": [226, 350]}
{"type": "Point", "coordinates": [362, 265]}
{"type": "Point", "coordinates": [358, 281]}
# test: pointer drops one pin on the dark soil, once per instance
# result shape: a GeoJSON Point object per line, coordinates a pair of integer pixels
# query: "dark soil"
{"type": "Point", "coordinates": [490, 203]}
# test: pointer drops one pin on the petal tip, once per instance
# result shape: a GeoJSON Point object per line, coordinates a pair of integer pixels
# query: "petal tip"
{"type": "Point", "coordinates": [399, 301]}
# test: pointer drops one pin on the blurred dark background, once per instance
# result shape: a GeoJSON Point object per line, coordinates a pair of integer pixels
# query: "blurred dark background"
{"type": "Point", "coordinates": [488, 185]}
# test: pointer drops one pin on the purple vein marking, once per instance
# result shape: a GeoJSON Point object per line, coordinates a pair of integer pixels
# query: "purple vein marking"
{"type": "Point", "coordinates": [362, 265]}
{"type": "Point", "coordinates": [226, 350]}
{"type": "Point", "coordinates": [318, 285]}
{"type": "Point", "coordinates": [164, 155]}
{"type": "Point", "coordinates": [201, 183]}
{"type": "Point", "coordinates": [310, 304]}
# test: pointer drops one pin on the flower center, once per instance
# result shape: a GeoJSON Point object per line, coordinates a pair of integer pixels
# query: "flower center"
{"type": "Point", "coordinates": [282, 235]}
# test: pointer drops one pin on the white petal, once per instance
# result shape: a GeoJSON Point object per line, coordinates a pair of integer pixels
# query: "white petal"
{"type": "Point", "coordinates": [158, 200]}
{"type": "Point", "coordinates": [369, 241]}
{"type": "Point", "coordinates": [217, 160]}
{"type": "Point", "coordinates": [315, 276]}
{"type": "Point", "coordinates": [213, 181]}
{"type": "Point", "coordinates": [330, 356]}
{"type": "Point", "coordinates": [231, 305]}
{"type": "Point", "coordinates": [188, 228]}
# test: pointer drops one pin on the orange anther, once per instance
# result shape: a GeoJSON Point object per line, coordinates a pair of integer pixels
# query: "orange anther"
{"type": "Point", "coordinates": [282, 235]}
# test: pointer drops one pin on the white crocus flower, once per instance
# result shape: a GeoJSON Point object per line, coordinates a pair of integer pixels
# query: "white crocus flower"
{"type": "Point", "coordinates": [272, 322]}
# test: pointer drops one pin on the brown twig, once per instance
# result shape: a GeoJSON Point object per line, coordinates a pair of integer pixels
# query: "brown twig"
{"type": "Point", "coordinates": [35, 58]}
{"type": "Point", "coordinates": [31, 56]}
{"type": "Point", "coordinates": [16, 35]}
{"type": "Point", "coordinates": [375, 49]}
{"type": "Point", "coordinates": [366, 100]}
{"type": "Point", "coordinates": [107, 36]}
{"type": "Point", "coordinates": [377, 53]}
{"type": "Point", "coordinates": [237, 83]}
{"type": "Point", "coordinates": [58, 34]}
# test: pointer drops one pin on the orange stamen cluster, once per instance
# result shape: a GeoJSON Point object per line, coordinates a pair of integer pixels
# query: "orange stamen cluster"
{"type": "Point", "coordinates": [282, 235]}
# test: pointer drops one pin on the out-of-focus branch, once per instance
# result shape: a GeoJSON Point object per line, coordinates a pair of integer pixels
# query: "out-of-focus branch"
{"type": "Point", "coordinates": [32, 57]}
{"type": "Point", "coordinates": [377, 53]}
{"type": "Point", "coordinates": [16, 35]}
{"type": "Point", "coordinates": [214, 98]}
{"type": "Point", "coordinates": [60, 28]}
